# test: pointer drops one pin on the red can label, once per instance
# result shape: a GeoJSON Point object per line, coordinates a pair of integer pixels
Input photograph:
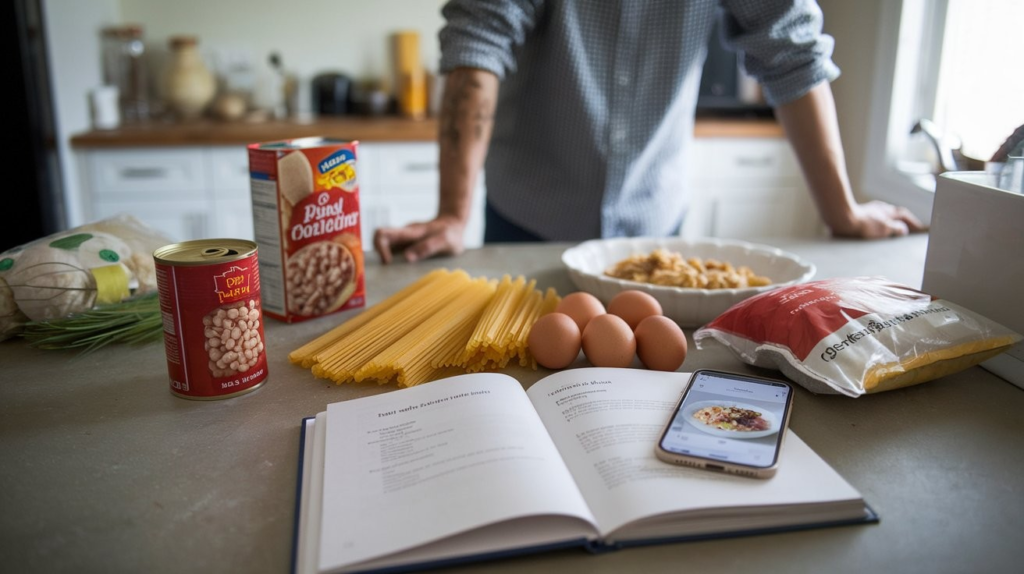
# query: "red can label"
{"type": "Point", "coordinates": [213, 328]}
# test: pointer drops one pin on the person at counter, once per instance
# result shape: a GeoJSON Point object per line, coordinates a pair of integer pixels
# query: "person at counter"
{"type": "Point", "coordinates": [587, 109]}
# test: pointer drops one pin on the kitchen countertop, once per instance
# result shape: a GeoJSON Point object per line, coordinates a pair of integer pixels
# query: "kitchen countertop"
{"type": "Point", "coordinates": [105, 471]}
{"type": "Point", "coordinates": [382, 129]}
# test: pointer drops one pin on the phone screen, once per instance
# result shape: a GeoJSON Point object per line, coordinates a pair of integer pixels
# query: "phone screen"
{"type": "Point", "coordinates": [730, 418]}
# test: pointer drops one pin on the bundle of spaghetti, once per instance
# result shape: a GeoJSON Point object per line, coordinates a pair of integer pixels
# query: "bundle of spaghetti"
{"type": "Point", "coordinates": [411, 360]}
{"type": "Point", "coordinates": [340, 361]}
{"type": "Point", "coordinates": [449, 356]}
{"type": "Point", "coordinates": [480, 349]}
{"type": "Point", "coordinates": [304, 355]}
{"type": "Point", "coordinates": [442, 324]}
{"type": "Point", "coordinates": [493, 342]}
{"type": "Point", "coordinates": [535, 308]}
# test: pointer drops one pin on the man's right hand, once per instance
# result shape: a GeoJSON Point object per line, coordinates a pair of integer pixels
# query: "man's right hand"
{"type": "Point", "coordinates": [439, 236]}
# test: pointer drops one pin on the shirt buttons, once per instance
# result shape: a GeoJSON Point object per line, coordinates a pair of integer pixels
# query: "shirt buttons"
{"type": "Point", "coordinates": [619, 135]}
{"type": "Point", "coordinates": [622, 78]}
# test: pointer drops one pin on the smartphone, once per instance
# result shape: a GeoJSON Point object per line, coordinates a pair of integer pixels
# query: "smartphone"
{"type": "Point", "coordinates": [730, 423]}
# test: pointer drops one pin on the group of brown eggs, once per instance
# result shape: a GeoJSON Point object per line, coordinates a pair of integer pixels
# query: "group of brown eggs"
{"type": "Point", "coordinates": [632, 325]}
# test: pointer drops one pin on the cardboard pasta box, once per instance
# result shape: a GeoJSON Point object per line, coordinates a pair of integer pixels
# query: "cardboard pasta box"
{"type": "Point", "coordinates": [305, 199]}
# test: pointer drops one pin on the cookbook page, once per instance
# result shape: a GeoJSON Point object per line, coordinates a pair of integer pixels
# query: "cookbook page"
{"type": "Point", "coordinates": [411, 467]}
{"type": "Point", "coordinates": [606, 423]}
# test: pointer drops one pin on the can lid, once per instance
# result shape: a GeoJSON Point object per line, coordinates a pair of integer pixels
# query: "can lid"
{"type": "Point", "coordinates": [304, 143]}
{"type": "Point", "coordinates": [205, 251]}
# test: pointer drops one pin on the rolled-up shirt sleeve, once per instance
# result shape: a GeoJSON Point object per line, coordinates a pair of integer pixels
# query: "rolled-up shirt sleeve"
{"type": "Point", "coordinates": [781, 44]}
{"type": "Point", "coordinates": [485, 34]}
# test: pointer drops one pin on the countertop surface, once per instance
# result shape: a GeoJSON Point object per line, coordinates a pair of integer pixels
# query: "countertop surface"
{"type": "Point", "coordinates": [379, 129]}
{"type": "Point", "coordinates": [103, 470]}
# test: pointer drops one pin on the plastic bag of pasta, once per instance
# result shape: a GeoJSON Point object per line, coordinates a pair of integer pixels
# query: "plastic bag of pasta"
{"type": "Point", "coordinates": [858, 335]}
{"type": "Point", "coordinates": [72, 271]}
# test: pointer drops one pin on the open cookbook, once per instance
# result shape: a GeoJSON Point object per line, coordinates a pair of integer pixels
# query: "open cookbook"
{"type": "Point", "coordinates": [474, 467]}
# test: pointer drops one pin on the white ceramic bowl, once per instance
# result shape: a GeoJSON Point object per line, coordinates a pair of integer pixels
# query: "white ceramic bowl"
{"type": "Point", "coordinates": [588, 261]}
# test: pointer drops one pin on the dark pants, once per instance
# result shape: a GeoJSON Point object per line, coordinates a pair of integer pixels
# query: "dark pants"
{"type": "Point", "coordinates": [497, 229]}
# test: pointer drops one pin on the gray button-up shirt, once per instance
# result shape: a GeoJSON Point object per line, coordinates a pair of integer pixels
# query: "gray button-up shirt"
{"type": "Point", "coordinates": [596, 106]}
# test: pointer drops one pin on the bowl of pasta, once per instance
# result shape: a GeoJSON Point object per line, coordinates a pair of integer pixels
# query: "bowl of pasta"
{"type": "Point", "coordinates": [694, 280]}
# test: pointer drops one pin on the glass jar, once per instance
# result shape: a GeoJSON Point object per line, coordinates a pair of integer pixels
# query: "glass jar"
{"type": "Point", "coordinates": [124, 66]}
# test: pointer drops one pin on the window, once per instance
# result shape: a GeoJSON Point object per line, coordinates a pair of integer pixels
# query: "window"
{"type": "Point", "coordinates": [980, 94]}
{"type": "Point", "coordinates": [954, 67]}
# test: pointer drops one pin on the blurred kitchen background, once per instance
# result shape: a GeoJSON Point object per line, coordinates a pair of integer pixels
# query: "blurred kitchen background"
{"type": "Point", "coordinates": [59, 46]}
{"type": "Point", "coordinates": [927, 86]}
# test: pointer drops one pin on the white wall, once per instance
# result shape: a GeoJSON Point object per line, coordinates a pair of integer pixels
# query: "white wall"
{"type": "Point", "coordinates": [73, 45]}
{"type": "Point", "coordinates": [312, 36]}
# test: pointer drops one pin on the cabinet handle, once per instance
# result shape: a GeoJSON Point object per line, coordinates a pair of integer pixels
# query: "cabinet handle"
{"type": "Point", "coordinates": [764, 161]}
{"type": "Point", "coordinates": [421, 167]}
{"type": "Point", "coordinates": [143, 172]}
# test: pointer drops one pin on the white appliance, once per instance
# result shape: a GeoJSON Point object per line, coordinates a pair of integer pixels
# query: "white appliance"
{"type": "Point", "coordinates": [976, 256]}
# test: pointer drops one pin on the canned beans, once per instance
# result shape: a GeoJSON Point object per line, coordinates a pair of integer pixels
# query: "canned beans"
{"type": "Point", "coordinates": [212, 313]}
{"type": "Point", "coordinates": [233, 338]}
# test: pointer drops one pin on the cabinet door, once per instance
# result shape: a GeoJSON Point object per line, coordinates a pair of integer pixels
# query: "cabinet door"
{"type": "Point", "coordinates": [408, 165]}
{"type": "Point", "coordinates": [180, 221]}
{"type": "Point", "coordinates": [399, 185]}
{"type": "Point", "coordinates": [231, 218]}
{"type": "Point", "coordinates": [757, 161]}
{"type": "Point", "coordinates": [229, 172]}
{"type": "Point", "coordinates": [371, 216]}
{"type": "Point", "coordinates": [156, 174]}
{"type": "Point", "coordinates": [773, 214]}
{"type": "Point", "coordinates": [747, 189]}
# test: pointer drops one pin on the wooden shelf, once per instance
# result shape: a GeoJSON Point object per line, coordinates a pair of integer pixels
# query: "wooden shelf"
{"type": "Point", "coordinates": [210, 133]}
{"type": "Point", "coordinates": [737, 128]}
{"type": "Point", "coordinates": [382, 129]}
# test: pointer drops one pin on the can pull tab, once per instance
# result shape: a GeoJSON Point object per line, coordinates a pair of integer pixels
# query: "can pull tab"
{"type": "Point", "coordinates": [212, 252]}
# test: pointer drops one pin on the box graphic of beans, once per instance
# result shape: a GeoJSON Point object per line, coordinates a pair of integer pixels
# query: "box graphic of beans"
{"type": "Point", "coordinates": [305, 198]}
{"type": "Point", "coordinates": [212, 317]}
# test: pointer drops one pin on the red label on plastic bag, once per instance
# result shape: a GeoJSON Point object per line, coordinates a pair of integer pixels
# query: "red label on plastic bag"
{"type": "Point", "coordinates": [857, 335]}
{"type": "Point", "coordinates": [801, 316]}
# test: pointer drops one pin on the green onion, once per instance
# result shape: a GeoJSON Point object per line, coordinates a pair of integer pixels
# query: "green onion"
{"type": "Point", "coordinates": [134, 321]}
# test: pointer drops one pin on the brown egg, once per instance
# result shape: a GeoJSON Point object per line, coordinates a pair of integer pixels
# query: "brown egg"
{"type": "Point", "coordinates": [634, 306]}
{"type": "Point", "coordinates": [609, 342]}
{"type": "Point", "coordinates": [660, 343]}
{"type": "Point", "coordinates": [581, 306]}
{"type": "Point", "coordinates": [554, 341]}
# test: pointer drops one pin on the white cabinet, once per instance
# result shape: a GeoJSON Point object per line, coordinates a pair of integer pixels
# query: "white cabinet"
{"type": "Point", "coordinates": [185, 192]}
{"type": "Point", "coordinates": [740, 188]}
{"type": "Point", "coordinates": [148, 174]}
{"type": "Point", "coordinates": [747, 188]}
{"type": "Point", "coordinates": [203, 192]}
{"type": "Point", "coordinates": [399, 185]}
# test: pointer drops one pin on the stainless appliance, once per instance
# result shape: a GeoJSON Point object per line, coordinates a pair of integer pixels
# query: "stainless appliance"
{"type": "Point", "coordinates": [331, 94]}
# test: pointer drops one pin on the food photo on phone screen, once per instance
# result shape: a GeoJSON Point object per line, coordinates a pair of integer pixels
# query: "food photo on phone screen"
{"type": "Point", "coordinates": [729, 420]}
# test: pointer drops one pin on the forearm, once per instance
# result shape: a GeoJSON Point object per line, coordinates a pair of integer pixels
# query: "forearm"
{"type": "Point", "coordinates": [467, 118]}
{"type": "Point", "coordinates": [813, 131]}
